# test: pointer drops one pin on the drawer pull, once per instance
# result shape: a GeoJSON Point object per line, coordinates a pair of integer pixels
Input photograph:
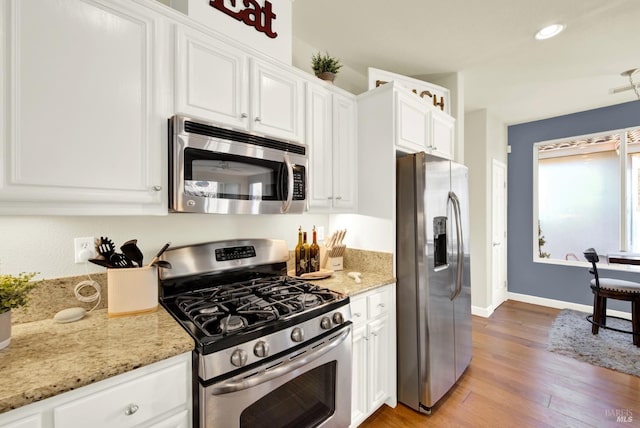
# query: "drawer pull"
{"type": "Point", "coordinates": [131, 409]}
{"type": "Point", "coordinates": [381, 305]}
{"type": "Point", "coordinates": [357, 314]}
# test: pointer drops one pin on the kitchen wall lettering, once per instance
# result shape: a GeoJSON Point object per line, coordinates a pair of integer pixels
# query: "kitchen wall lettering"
{"type": "Point", "coordinates": [254, 15]}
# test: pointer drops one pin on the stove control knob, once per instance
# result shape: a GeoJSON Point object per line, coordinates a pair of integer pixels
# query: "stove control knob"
{"type": "Point", "coordinates": [338, 318]}
{"type": "Point", "coordinates": [325, 323]}
{"type": "Point", "coordinates": [239, 357]}
{"type": "Point", "coordinates": [261, 349]}
{"type": "Point", "coordinates": [297, 335]}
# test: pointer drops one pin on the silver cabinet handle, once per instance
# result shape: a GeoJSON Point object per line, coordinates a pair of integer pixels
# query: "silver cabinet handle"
{"type": "Point", "coordinates": [330, 197]}
{"type": "Point", "coordinates": [338, 197]}
{"type": "Point", "coordinates": [157, 188]}
{"type": "Point", "coordinates": [244, 116]}
{"type": "Point", "coordinates": [357, 314]}
{"type": "Point", "coordinates": [374, 335]}
{"type": "Point", "coordinates": [257, 119]}
{"type": "Point", "coordinates": [131, 409]}
{"type": "Point", "coordinates": [381, 305]}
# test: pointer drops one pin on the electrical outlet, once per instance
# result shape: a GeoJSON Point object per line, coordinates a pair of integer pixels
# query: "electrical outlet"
{"type": "Point", "coordinates": [84, 249]}
{"type": "Point", "coordinates": [320, 233]}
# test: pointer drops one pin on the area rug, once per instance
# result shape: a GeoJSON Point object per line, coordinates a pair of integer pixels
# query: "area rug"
{"type": "Point", "coordinates": [570, 335]}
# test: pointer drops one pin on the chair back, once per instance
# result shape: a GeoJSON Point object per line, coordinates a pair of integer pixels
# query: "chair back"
{"type": "Point", "coordinates": [592, 257]}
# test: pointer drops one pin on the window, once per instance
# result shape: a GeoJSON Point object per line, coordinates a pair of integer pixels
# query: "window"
{"type": "Point", "coordinates": [586, 194]}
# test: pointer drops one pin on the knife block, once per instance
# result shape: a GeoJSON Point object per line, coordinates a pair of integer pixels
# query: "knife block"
{"type": "Point", "coordinates": [328, 262]}
{"type": "Point", "coordinates": [132, 291]}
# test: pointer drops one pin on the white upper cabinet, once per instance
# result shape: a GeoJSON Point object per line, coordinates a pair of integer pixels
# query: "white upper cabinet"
{"type": "Point", "coordinates": [442, 134]}
{"type": "Point", "coordinates": [412, 123]}
{"type": "Point", "coordinates": [211, 78]}
{"type": "Point", "coordinates": [219, 82]}
{"type": "Point", "coordinates": [82, 124]}
{"type": "Point", "coordinates": [319, 140]}
{"type": "Point", "coordinates": [332, 139]}
{"type": "Point", "coordinates": [277, 101]}
{"type": "Point", "coordinates": [344, 152]}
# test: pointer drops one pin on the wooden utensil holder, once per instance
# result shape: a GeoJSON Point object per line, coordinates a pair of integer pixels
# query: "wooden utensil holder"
{"type": "Point", "coordinates": [132, 291]}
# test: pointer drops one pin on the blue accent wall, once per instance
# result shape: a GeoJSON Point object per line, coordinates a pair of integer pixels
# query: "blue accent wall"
{"type": "Point", "coordinates": [565, 283]}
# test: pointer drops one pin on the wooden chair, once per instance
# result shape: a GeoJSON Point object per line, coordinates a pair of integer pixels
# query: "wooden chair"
{"type": "Point", "coordinates": [609, 288]}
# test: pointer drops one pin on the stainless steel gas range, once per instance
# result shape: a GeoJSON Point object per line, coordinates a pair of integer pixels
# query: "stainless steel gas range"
{"type": "Point", "coordinates": [271, 350]}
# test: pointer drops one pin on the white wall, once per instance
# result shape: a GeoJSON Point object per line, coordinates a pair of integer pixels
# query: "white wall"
{"type": "Point", "coordinates": [485, 140]}
{"type": "Point", "coordinates": [45, 244]}
{"type": "Point", "coordinates": [347, 79]}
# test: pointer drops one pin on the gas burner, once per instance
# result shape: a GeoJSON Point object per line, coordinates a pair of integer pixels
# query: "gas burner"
{"type": "Point", "coordinates": [211, 310]}
{"type": "Point", "coordinates": [232, 323]}
{"type": "Point", "coordinates": [309, 300]}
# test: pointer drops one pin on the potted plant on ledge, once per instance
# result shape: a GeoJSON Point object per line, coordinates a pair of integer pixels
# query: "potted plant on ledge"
{"type": "Point", "coordinates": [14, 293]}
{"type": "Point", "coordinates": [325, 66]}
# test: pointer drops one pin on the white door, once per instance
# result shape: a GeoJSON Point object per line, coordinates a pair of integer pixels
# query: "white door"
{"type": "Point", "coordinates": [499, 233]}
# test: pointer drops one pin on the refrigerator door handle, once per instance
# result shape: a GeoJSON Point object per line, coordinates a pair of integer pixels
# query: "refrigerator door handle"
{"type": "Point", "coordinates": [460, 245]}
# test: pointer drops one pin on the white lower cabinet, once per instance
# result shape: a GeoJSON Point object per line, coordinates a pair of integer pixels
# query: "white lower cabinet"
{"type": "Point", "coordinates": [158, 396]}
{"type": "Point", "coordinates": [374, 352]}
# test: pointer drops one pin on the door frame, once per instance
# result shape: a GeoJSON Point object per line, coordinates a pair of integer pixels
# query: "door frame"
{"type": "Point", "coordinates": [498, 244]}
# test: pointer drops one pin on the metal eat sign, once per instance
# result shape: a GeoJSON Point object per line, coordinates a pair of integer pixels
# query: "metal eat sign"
{"type": "Point", "coordinates": [254, 15]}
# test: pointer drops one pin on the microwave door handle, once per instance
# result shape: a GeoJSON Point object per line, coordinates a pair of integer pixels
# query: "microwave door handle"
{"type": "Point", "coordinates": [287, 204]}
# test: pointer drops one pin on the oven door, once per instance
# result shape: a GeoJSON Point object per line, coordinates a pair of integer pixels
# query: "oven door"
{"type": "Point", "coordinates": [310, 387]}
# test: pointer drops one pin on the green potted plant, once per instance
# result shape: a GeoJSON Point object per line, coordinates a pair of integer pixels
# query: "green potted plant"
{"type": "Point", "coordinates": [325, 66]}
{"type": "Point", "coordinates": [14, 293]}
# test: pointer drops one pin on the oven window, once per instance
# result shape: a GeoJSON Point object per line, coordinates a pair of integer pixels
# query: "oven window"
{"type": "Point", "coordinates": [224, 176]}
{"type": "Point", "coordinates": [306, 401]}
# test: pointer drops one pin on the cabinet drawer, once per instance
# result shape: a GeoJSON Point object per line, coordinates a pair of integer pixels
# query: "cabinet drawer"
{"type": "Point", "coordinates": [359, 311]}
{"type": "Point", "coordinates": [128, 404]}
{"type": "Point", "coordinates": [379, 303]}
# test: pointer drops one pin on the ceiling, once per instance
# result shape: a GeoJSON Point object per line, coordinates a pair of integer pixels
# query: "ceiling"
{"type": "Point", "coordinates": [505, 71]}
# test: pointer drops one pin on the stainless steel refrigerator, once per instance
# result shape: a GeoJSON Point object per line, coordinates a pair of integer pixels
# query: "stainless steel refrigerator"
{"type": "Point", "coordinates": [433, 289]}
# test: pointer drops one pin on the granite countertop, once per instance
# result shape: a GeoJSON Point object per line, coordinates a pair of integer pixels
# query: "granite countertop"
{"type": "Point", "coordinates": [342, 283]}
{"type": "Point", "coordinates": [46, 358]}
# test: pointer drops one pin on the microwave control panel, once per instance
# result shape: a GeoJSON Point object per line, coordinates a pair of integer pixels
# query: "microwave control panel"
{"type": "Point", "coordinates": [299, 185]}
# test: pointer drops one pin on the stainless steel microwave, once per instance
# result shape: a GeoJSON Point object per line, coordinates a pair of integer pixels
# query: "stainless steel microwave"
{"type": "Point", "coordinates": [225, 171]}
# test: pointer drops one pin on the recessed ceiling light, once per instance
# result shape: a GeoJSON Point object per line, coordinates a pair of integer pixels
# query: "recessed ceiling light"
{"type": "Point", "coordinates": [549, 31]}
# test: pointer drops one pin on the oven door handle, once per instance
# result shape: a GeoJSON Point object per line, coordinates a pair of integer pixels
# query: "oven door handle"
{"type": "Point", "coordinates": [240, 383]}
{"type": "Point", "coordinates": [287, 204]}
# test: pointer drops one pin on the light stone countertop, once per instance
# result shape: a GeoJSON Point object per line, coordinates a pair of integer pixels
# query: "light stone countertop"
{"type": "Point", "coordinates": [342, 283]}
{"type": "Point", "coordinates": [46, 358]}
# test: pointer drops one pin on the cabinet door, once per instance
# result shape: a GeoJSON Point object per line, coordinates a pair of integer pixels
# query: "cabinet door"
{"type": "Point", "coordinates": [180, 420]}
{"type": "Point", "coordinates": [277, 101]}
{"type": "Point", "coordinates": [211, 79]}
{"type": "Point", "coordinates": [319, 140]}
{"type": "Point", "coordinates": [412, 123]}
{"type": "Point", "coordinates": [442, 134]}
{"type": "Point", "coordinates": [344, 153]}
{"type": "Point", "coordinates": [34, 421]}
{"type": "Point", "coordinates": [359, 397]}
{"type": "Point", "coordinates": [379, 364]}
{"type": "Point", "coordinates": [85, 131]}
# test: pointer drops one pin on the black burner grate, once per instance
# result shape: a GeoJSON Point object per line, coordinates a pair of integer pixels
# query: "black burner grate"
{"type": "Point", "coordinates": [228, 309]}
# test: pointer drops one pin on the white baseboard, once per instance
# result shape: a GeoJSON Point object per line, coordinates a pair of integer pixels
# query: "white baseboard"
{"type": "Point", "coordinates": [559, 304]}
{"type": "Point", "coordinates": [482, 312]}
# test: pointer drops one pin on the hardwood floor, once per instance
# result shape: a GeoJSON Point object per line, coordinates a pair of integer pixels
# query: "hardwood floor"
{"type": "Point", "coordinates": [513, 381]}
